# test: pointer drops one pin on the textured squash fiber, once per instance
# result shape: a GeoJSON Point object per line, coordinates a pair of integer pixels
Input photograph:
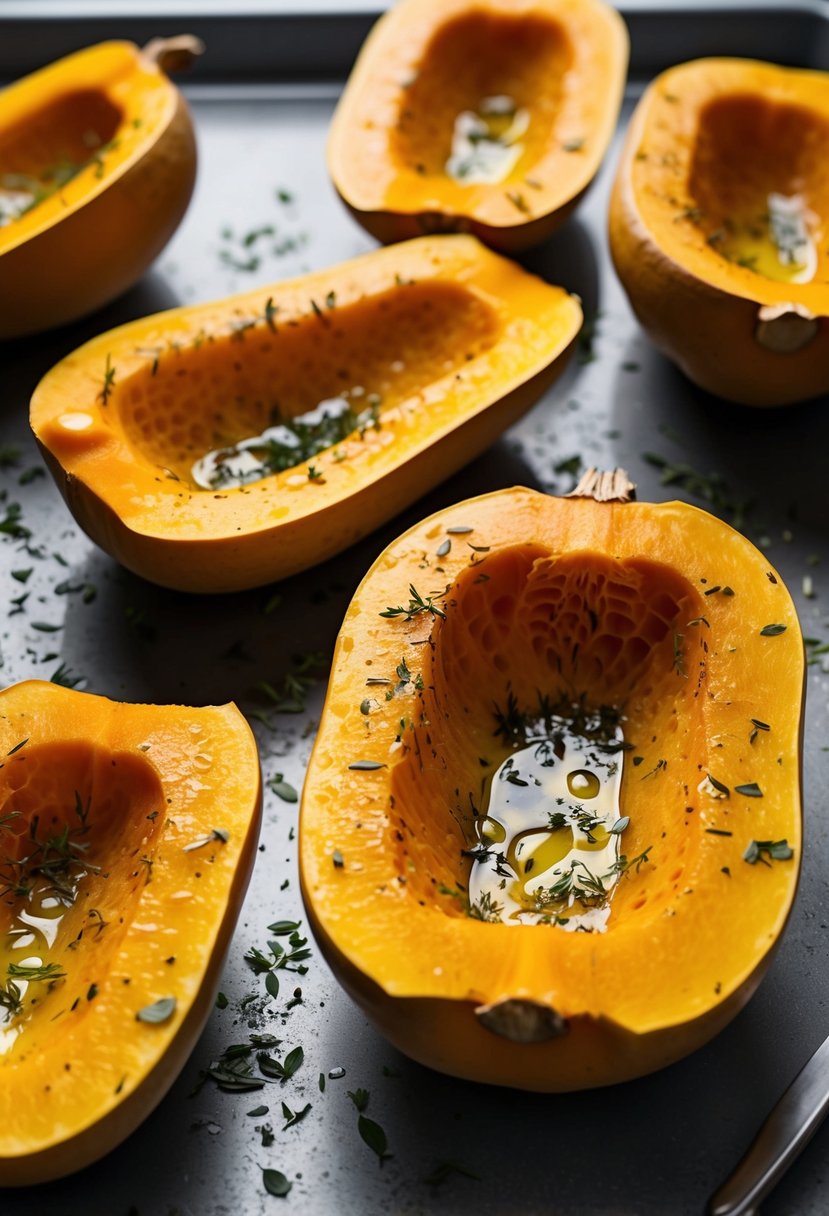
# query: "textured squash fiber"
{"type": "Point", "coordinates": [557, 600]}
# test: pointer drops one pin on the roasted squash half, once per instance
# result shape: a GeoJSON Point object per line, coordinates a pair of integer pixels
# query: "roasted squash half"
{"type": "Point", "coordinates": [229, 444]}
{"type": "Point", "coordinates": [127, 836]}
{"type": "Point", "coordinates": [97, 165]}
{"type": "Point", "coordinates": [489, 116]}
{"type": "Point", "coordinates": [718, 226]}
{"type": "Point", "coordinates": [550, 830]}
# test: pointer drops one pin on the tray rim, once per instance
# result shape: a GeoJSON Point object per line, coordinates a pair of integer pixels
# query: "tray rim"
{"type": "Point", "coordinates": [319, 39]}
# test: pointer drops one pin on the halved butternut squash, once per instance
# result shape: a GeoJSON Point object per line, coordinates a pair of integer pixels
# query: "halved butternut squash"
{"type": "Point", "coordinates": [229, 444]}
{"type": "Point", "coordinates": [550, 830]}
{"type": "Point", "coordinates": [127, 837]}
{"type": "Point", "coordinates": [97, 165]}
{"type": "Point", "coordinates": [718, 226]}
{"type": "Point", "coordinates": [490, 117]}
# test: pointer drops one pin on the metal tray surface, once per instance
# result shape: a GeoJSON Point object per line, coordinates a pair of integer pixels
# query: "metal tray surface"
{"type": "Point", "coordinates": [653, 1147]}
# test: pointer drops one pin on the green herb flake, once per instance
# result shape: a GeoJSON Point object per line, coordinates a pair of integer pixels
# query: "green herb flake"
{"type": "Point", "coordinates": [272, 984]}
{"type": "Point", "coordinates": [283, 789]}
{"type": "Point", "coordinates": [293, 1062]}
{"type": "Point", "coordinates": [293, 1116]}
{"type": "Point", "coordinates": [41, 972]}
{"type": "Point", "coordinates": [772, 631]}
{"type": "Point", "coordinates": [221, 1001]}
{"type": "Point", "coordinates": [366, 766]}
{"type": "Point", "coordinates": [275, 1183]}
{"type": "Point", "coordinates": [359, 1097]}
{"type": "Point", "coordinates": [109, 381]}
{"type": "Point", "coordinates": [373, 1135]}
{"type": "Point", "coordinates": [280, 928]}
{"type": "Point", "coordinates": [774, 850]}
{"type": "Point", "coordinates": [750, 790]}
{"type": "Point", "coordinates": [338, 859]}
{"type": "Point", "coordinates": [160, 1011]}
{"type": "Point", "coordinates": [258, 1112]}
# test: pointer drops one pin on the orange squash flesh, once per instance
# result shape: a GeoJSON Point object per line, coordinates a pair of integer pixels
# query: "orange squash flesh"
{"type": "Point", "coordinates": [456, 342]}
{"type": "Point", "coordinates": [708, 145]}
{"type": "Point", "coordinates": [110, 118]}
{"type": "Point", "coordinates": [427, 62]}
{"type": "Point", "coordinates": [557, 600]}
{"type": "Point", "coordinates": [144, 917]}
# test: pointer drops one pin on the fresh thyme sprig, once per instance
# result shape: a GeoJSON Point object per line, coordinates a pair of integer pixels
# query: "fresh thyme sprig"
{"type": "Point", "coordinates": [418, 604]}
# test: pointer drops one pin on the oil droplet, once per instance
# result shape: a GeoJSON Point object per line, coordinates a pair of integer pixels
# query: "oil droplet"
{"type": "Point", "coordinates": [583, 784]}
{"type": "Point", "coordinates": [490, 831]}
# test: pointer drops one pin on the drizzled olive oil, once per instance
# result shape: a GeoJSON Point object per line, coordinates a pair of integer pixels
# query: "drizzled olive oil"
{"type": "Point", "coordinates": [486, 143]}
{"type": "Point", "coordinates": [548, 843]}
{"type": "Point", "coordinates": [780, 244]}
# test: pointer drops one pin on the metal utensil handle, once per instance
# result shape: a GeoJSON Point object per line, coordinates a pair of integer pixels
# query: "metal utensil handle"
{"type": "Point", "coordinates": [785, 1133]}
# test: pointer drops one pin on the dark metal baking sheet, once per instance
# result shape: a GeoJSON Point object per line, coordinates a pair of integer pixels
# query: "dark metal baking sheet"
{"type": "Point", "coordinates": [654, 1147]}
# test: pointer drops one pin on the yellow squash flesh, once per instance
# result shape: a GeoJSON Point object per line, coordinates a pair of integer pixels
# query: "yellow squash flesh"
{"type": "Point", "coordinates": [455, 342]}
{"type": "Point", "coordinates": [110, 121]}
{"type": "Point", "coordinates": [157, 808]}
{"type": "Point", "coordinates": [561, 63]}
{"type": "Point", "coordinates": [716, 148]}
{"type": "Point", "coordinates": [594, 604]}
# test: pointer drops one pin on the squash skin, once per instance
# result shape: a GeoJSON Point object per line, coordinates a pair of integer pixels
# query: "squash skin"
{"type": "Point", "coordinates": [251, 536]}
{"type": "Point", "coordinates": [117, 224]}
{"type": "Point", "coordinates": [425, 994]}
{"type": "Point", "coordinates": [704, 319]}
{"type": "Point", "coordinates": [78, 1121]}
{"type": "Point", "coordinates": [405, 204]}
